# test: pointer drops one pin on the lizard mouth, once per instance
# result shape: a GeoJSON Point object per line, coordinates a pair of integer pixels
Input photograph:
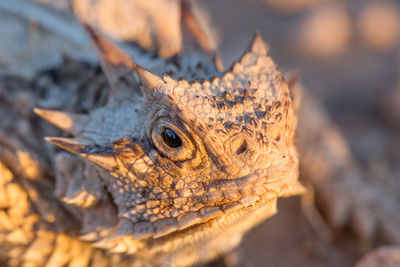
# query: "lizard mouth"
{"type": "Point", "coordinates": [227, 225]}
{"type": "Point", "coordinates": [255, 193]}
{"type": "Point", "coordinates": [226, 222]}
{"type": "Point", "coordinates": [258, 194]}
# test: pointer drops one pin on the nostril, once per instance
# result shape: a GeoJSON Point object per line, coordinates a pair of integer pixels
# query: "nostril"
{"type": "Point", "coordinates": [242, 148]}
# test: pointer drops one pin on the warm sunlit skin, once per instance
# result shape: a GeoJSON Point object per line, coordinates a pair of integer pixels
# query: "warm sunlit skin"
{"type": "Point", "coordinates": [187, 167]}
{"type": "Point", "coordinates": [170, 167]}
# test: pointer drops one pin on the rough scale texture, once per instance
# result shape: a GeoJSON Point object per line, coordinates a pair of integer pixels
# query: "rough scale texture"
{"type": "Point", "coordinates": [171, 172]}
{"type": "Point", "coordinates": [128, 199]}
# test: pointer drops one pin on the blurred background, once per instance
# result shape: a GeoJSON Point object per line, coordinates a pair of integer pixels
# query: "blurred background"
{"type": "Point", "coordinates": [346, 52]}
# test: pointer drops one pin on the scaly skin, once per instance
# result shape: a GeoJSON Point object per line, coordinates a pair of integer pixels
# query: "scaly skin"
{"type": "Point", "coordinates": [134, 196]}
{"type": "Point", "coordinates": [58, 209]}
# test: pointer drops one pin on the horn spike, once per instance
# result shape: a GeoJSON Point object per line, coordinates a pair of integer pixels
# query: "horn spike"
{"type": "Point", "coordinates": [190, 25]}
{"type": "Point", "coordinates": [104, 160]}
{"type": "Point", "coordinates": [73, 145]}
{"type": "Point", "coordinates": [218, 62]}
{"type": "Point", "coordinates": [194, 35]}
{"type": "Point", "coordinates": [69, 122]}
{"type": "Point", "coordinates": [258, 46]}
{"type": "Point", "coordinates": [115, 63]}
{"type": "Point", "coordinates": [106, 49]}
{"type": "Point", "coordinates": [149, 80]}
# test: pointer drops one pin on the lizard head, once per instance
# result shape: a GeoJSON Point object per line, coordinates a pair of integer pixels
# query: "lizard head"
{"type": "Point", "coordinates": [175, 155]}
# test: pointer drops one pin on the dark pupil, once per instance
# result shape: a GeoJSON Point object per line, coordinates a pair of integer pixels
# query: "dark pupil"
{"type": "Point", "coordinates": [171, 138]}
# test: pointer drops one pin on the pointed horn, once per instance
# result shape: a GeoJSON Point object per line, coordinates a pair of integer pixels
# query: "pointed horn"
{"type": "Point", "coordinates": [81, 147]}
{"type": "Point", "coordinates": [69, 122]}
{"type": "Point", "coordinates": [115, 63]}
{"type": "Point", "coordinates": [73, 145]}
{"type": "Point", "coordinates": [108, 52]}
{"type": "Point", "coordinates": [258, 46]}
{"type": "Point", "coordinates": [105, 160]}
{"type": "Point", "coordinates": [190, 24]}
{"type": "Point", "coordinates": [149, 80]}
{"type": "Point", "coordinates": [194, 33]}
{"type": "Point", "coordinates": [218, 62]}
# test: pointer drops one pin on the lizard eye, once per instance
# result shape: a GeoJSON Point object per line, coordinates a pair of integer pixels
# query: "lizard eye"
{"type": "Point", "coordinates": [171, 140]}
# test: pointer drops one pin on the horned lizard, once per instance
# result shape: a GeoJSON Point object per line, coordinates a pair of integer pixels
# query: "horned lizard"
{"type": "Point", "coordinates": [173, 171]}
{"type": "Point", "coordinates": [170, 168]}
